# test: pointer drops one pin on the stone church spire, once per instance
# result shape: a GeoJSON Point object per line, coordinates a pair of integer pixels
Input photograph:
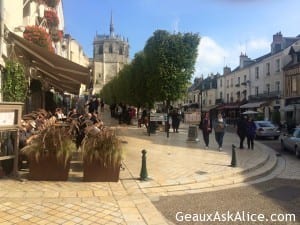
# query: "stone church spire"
{"type": "Point", "coordinates": [111, 27]}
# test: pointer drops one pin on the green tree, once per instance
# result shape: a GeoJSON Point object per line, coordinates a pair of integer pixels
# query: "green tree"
{"type": "Point", "coordinates": [170, 63]}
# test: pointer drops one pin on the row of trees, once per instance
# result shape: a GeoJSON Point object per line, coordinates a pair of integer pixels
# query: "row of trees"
{"type": "Point", "coordinates": [159, 73]}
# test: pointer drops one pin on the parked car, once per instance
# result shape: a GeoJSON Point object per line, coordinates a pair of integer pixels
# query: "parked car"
{"type": "Point", "coordinates": [266, 129]}
{"type": "Point", "coordinates": [291, 141]}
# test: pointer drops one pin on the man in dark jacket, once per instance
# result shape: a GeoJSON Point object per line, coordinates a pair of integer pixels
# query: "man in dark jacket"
{"type": "Point", "coordinates": [242, 130]}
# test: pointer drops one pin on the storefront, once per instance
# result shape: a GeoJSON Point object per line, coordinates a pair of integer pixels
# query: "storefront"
{"type": "Point", "coordinates": [47, 70]}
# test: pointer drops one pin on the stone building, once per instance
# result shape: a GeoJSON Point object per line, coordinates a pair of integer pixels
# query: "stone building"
{"type": "Point", "coordinates": [110, 55]}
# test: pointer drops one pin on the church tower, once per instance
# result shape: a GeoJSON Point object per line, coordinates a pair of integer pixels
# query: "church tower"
{"type": "Point", "coordinates": [110, 54]}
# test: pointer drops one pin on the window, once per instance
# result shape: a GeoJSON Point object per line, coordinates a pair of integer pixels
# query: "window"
{"type": "Point", "coordinates": [231, 82]}
{"type": "Point", "coordinates": [239, 80]}
{"type": "Point", "coordinates": [100, 51]}
{"type": "Point", "coordinates": [227, 98]}
{"type": "Point", "coordinates": [110, 48]}
{"type": "Point", "coordinates": [231, 97]}
{"type": "Point", "coordinates": [268, 69]}
{"type": "Point", "coordinates": [277, 86]}
{"type": "Point", "coordinates": [257, 72]}
{"type": "Point", "coordinates": [268, 88]}
{"type": "Point", "coordinates": [245, 78]}
{"type": "Point", "coordinates": [121, 50]}
{"type": "Point", "coordinates": [221, 83]}
{"type": "Point", "coordinates": [221, 95]}
{"type": "Point", "coordinates": [294, 84]}
{"type": "Point", "coordinates": [277, 65]}
{"type": "Point", "coordinates": [256, 91]}
{"type": "Point", "coordinates": [209, 102]}
{"type": "Point", "coordinates": [227, 83]}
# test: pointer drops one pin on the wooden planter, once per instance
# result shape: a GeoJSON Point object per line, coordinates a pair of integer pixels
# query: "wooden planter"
{"type": "Point", "coordinates": [95, 171]}
{"type": "Point", "coordinates": [48, 168]}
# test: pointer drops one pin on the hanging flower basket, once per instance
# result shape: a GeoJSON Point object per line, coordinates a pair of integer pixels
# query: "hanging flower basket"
{"type": "Point", "coordinates": [56, 35]}
{"type": "Point", "coordinates": [52, 18]}
{"type": "Point", "coordinates": [38, 36]}
{"type": "Point", "coordinates": [52, 3]}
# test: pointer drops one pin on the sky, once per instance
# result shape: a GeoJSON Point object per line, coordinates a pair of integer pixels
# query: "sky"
{"type": "Point", "coordinates": [227, 27]}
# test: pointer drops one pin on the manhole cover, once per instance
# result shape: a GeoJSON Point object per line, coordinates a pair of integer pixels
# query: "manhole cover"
{"type": "Point", "coordinates": [201, 172]}
{"type": "Point", "coordinates": [284, 193]}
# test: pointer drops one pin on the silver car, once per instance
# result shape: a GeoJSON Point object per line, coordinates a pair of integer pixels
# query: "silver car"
{"type": "Point", "coordinates": [266, 129]}
{"type": "Point", "coordinates": [291, 142]}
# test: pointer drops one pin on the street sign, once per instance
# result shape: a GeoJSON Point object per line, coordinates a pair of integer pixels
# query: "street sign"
{"type": "Point", "coordinates": [193, 133]}
{"type": "Point", "coordinates": [161, 117]}
{"type": "Point", "coordinates": [192, 117]}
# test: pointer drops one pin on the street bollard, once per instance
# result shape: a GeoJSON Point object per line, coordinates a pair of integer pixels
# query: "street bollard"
{"type": "Point", "coordinates": [144, 173]}
{"type": "Point", "coordinates": [233, 157]}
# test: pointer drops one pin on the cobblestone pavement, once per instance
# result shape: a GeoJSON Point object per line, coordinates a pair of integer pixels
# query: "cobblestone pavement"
{"type": "Point", "coordinates": [174, 165]}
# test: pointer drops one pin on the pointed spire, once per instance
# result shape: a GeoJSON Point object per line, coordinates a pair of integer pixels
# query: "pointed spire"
{"type": "Point", "coordinates": [111, 27]}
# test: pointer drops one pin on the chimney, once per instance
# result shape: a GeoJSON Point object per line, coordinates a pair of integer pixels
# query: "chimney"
{"type": "Point", "coordinates": [277, 43]}
{"type": "Point", "coordinates": [226, 70]}
{"type": "Point", "coordinates": [243, 59]}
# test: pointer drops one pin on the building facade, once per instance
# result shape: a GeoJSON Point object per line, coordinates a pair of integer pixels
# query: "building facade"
{"type": "Point", "coordinates": [48, 73]}
{"type": "Point", "coordinates": [110, 55]}
{"type": "Point", "coordinates": [292, 87]}
{"type": "Point", "coordinates": [257, 84]}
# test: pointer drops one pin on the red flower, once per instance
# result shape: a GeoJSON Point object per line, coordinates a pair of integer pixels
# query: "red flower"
{"type": "Point", "coordinates": [38, 36]}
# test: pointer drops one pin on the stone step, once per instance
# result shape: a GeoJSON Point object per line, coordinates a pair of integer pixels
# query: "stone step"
{"type": "Point", "coordinates": [230, 178]}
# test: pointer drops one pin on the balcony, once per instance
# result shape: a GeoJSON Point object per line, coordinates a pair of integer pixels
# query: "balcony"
{"type": "Point", "coordinates": [219, 101]}
{"type": "Point", "coordinates": [237, 85]}
{"type": "Point", "coordinates": [266, 95]}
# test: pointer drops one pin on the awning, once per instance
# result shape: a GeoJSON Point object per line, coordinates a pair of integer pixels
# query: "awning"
{"type": "Point", "coordinates": [208, 108]}
{"type": "Point", "coordinates": [252, 105]}
{"type": "Point", "coordinates": [228, 106]}
{"type": "Point", "coordinates": [53, 69]}
{"type": "Point", "coordinates": [291, 108]}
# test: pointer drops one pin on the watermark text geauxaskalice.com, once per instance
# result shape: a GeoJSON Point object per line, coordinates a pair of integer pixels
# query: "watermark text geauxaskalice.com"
{"type": "Point", "coordinates": [239, 216]}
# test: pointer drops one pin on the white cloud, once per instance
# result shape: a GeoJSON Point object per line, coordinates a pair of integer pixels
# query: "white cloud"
{"type": "Point", "coordinates": [212, 57]}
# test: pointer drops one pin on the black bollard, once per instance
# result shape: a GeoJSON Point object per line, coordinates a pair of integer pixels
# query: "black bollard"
{"type": "Point", "coordinates": [233, 157]}
{"type": "Point", "coordinates": [144, 173]}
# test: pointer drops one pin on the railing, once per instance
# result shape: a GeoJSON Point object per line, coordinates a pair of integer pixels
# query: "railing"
{"type": "Point", "coordinates": [266, 95]}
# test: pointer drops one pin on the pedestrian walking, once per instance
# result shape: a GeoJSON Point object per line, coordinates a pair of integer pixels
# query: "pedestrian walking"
{"type": "Point", "coordinates": [219, 127]}
{"type": "Point", "coordinates": [251, 131]}
{"type": "Point", "coordinates": [175, 120]}
{"type": "Point", "coordinates": [242, 130]}
{"type": "Point", "coordinates": [206, 129]}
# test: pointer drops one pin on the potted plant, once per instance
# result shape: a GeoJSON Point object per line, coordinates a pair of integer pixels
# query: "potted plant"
{"type": "Point", "coordinates": [49, 153]}
{"type": "Point", "coordinates": [102, 155]}
{"type": "Point", "coordinates": [52, 18]}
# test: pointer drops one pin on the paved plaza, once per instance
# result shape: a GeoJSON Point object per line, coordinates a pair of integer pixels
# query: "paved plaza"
{"type": "Point", "coordinates": [175, 167]}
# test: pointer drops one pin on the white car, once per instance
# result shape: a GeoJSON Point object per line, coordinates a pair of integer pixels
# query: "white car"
{"type": "Point", "coordinates": [291, 142]}
{"type": "Point", "coordinates": [266, 129]}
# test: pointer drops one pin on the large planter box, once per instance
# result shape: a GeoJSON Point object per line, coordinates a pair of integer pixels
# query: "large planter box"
{"type": "Point", "coordinates": [48, 168]}
{"type": "Point", "coordinates": [95, 171]}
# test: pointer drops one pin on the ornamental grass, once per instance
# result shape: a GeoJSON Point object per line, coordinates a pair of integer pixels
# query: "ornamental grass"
{"type": "Point", "coordinates": [52, 140]}
{"type": "Point", "coordinates": [102, 145]}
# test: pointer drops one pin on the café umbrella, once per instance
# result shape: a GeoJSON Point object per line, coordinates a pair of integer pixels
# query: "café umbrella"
{"type": "Point", "coordinates": [249, 112]}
